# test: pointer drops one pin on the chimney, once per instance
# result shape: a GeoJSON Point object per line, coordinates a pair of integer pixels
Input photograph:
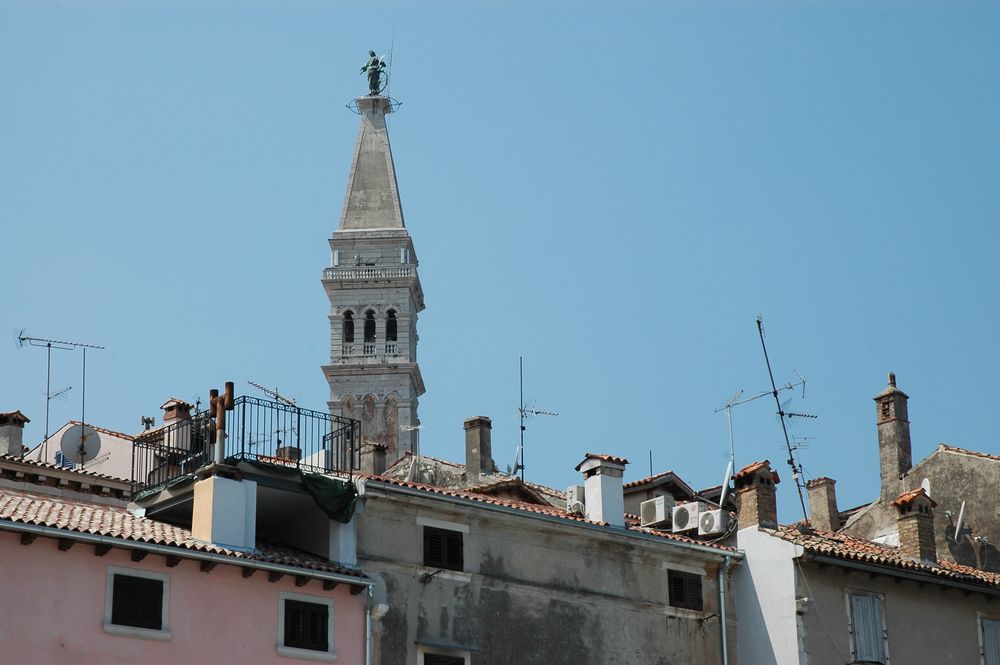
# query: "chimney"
{"type": "Point", "coordinates": [915, 521]}
{"type": "Point", "coordinates": [478, 446]}
{"type": "Point", "coordinates": [225, 509]}
{"type": "Point", "coordinates": [602, 479]}
{"type": "Point", "coordinates": [373, 458]}
{"type": "Point", "coordinates": [895, 457]}
{"type": "Point", "coordinates": [823, 504]}
{"type": "Point", "coordinates": [176, 409]}
{"type": "Point", "coordinates": [12, 433]}
{"type": "Point", "coordinates": [756, 503]}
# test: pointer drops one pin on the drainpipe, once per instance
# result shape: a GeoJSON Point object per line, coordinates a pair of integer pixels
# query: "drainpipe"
{"type": "Point", "coordinates": [723, 569]}
{"type": "Point", "coordinates": [368, 628]}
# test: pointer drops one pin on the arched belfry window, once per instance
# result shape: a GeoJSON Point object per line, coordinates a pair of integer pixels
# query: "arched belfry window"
{"type": "Point", "coordinates": [390, 326]}
{"type": "Point", "coordinates": [369, 327]}
{"type": "Point", "coordinates": [348, 327]}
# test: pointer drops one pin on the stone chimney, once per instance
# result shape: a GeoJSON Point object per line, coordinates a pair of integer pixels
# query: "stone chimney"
{"type": "Point", "coordinates": [756, 502]}
{"type": "Point", "coordinates": [225, 508]}
{"type": "Point", "coordinates": [823, 504]}
{"type": "Point", "coordinates": [478, 446]}
{"type": "Point", "coordinates": [12, 433]}
{"type": "Point", "coordinates": [602, 479]}
{"type": "Point", "coordinates": [895, 457]}
{"type": "Point", "coordinates": [915, 521]}
{"type": "Point", "coordinates": [373, 458]}
{"type": "Point", "coordinates": [176, 409]}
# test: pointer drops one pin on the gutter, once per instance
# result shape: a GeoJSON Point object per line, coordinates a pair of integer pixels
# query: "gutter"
{"type": "Point", "coordinates": [97, 539]}
{"type": "Point", "coordinates": [368, 627]}
{"type": "Point", "coordinates": [621, 531]}
{"type": "Point", "coordinates": [914, 576]}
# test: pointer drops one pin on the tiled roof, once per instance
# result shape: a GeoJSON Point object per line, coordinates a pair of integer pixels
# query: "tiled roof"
{"type": "Point", "coordinates": [550, 511]}
{"type": "Point", "coordinates": [84, 517]}
{"type": "Point", "coordinates": [756, 466]}
{"type": "Point", "coordinates": [648, 479]}
{"type": "Point", "coordinates": [907, 497]}
{"type": "Point", "coordinates": [606, 458]}
{"type": "Point", "coordinates": [55, 467]}
{"type": "Point", "coordinates": [176, 400]}
{"type": "Point", "coordinates": [13, 416]}
{"type": "Point", "coordinates": [104, 430]}
{"type": "Point", "coordinates": [954, 449]}
{"type": "Point", "coordinates": [842, 546]}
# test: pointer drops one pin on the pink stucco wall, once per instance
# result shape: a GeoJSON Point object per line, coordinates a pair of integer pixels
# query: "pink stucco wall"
{"type": "Point", "coordinates": [53, 611]}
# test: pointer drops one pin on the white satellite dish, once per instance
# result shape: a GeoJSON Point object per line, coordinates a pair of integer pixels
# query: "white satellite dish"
{"type": "Point", "coordinates": [925, 485]}
{"type": "Point", "coordinates": [80, 444]}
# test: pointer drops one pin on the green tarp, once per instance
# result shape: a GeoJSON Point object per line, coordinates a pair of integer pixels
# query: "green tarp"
{"type": "Point", "coordinates": [336, 497]}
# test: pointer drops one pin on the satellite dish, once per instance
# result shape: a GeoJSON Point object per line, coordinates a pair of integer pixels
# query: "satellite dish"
{"type": "Point", "coordinates": [80, 443]}
{"type": "Point", "coordinates": [925, 485]}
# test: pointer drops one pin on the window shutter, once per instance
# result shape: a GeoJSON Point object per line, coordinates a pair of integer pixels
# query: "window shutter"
{"type": "Point", "coordinates": [138, 602]}
{"type": "Point", "coordinates": [443, 549]}
{"type": "Point", "coordinates": [684, 589]}
{"type": "Point", "coordinates": [866, 620]}
{"type": "Point", "coordinates": [438, 659]}
{"type": "Point", "coordinates": [306, 625]}
{"type": "Point", "coordinates": [991, 642]}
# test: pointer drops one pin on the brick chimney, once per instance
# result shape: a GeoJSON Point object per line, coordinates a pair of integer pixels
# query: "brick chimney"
{"type": "Point", "coordinates": [12, 433]}
{"type": "Point", "coordinates": [373, 458]}
{"type": "Point", "coordinates": [602, 479]}
{"type": "Point", "coordinates": [756, 502]}
{"type": "Point", "coordinates": [478, 446]}
{"type": "Point", "coordinates": [823, 504]}
{"type": "Point", "coordinates": [176, 409]}
{"type": "Point", "coordinates": [895, 456]}
{"type": "Point", "coordinates": [915, 521]}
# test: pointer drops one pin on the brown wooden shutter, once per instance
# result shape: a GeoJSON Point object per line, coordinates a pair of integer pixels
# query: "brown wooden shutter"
{"type": "Point", "coordinates": [306, 625]}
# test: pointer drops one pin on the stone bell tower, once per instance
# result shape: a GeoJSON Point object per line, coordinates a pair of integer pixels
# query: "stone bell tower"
{"type": "Point", "coordinates": [375, 297]}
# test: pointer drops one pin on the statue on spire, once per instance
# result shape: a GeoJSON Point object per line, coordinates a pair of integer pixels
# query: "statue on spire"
{"type": "Point", "coordinates": [375, 67]}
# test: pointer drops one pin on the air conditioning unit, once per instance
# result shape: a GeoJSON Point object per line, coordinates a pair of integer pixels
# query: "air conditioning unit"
{"type": "Point", "coordinates": [713, 522]}
{"type": "Point", "coordinates": [656, 512]}
{"type": "Point", "coordinates": [685, 516]}
{"type": "Point", "coordinates": [575, 500]}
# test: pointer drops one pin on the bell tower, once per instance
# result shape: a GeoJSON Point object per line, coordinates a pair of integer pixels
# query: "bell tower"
{"type": "Point", "coordinates": [375, 297]}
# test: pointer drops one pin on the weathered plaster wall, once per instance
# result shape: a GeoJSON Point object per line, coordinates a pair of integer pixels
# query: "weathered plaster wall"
{"type": "Point", "coordinates": [924, 624]}
{"type": "Point", "coordinates": [54, 611]}
{"type": "Point", "coordinates": [532, 591]}
{"type": "Point", "coordinates": [954, 478]}
{"type": "Point", "coordinates": [764, 587]}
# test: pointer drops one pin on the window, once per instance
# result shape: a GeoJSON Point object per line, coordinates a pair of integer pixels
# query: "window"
{"type": "Point", "coordinates": [136, 604]}
{"type": "Point", "coordinates": [305, 626]}
{"type": "Point", "coordinates": [685, 589]}
{"type": "Point", "coordinates": [440, 659]}
{"type": "Point", "coordinates": [443, 548]}
{"type": "Point", "coordinates": [867, 627]}
{"type": "Point", "coordinates": [369, 327]}
{"type": "Point", "coordinates": [348, 327]}
{"type": "Point", "coordinates": [990, 640]}
{"type": "Point", "coordinates": [390, 326]}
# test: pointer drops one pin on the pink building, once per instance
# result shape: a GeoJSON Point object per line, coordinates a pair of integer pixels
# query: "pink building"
{"type": "Point", "coordinates": [89, 579]}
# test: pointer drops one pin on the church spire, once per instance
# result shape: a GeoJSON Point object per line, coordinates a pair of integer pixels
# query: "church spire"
{"type": "Point", "coordinates": [375, 296]}
{"type": "Point", "coordinates": [372, 200]}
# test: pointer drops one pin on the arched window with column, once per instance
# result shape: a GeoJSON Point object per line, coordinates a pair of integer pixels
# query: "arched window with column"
{"type": "Point", "coordinates": [347, 334]}
{"type": "Point", "coordinates": [391, 347]}
{"type": "Point", "coordinates": [369, 333]}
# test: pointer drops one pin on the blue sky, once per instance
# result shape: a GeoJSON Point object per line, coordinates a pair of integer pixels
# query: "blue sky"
{"type": "Point", "coordinates": [612, 191]}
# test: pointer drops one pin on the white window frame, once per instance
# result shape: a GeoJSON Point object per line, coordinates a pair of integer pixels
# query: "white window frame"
{"type": "Point", "coordinates": [422, 650]}
{"type": "Point", "coordinates": [980, 617]}
{"type": "Point", "coordinates": [330, 654]}
{"type": "Point", "coordinates": [850, 621]}
{"type": "Point", "coordinates": [161, 635]}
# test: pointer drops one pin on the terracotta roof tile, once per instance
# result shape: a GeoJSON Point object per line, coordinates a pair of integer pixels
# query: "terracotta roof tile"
{"type": "Point", "coordinates": [614, 459]}
{"type": "Point", "coordinates": [55, 467]}
{"type": "Point", "coordinates": [104, 430]}
{"type": "Point", "coordinates": [648, 479]}
{"type": "Point", "coordinates": [13, 416]}
{"type": "Point", "coordinates": [842, 546]}
{"type": "Point", "coordinates": [83, 517]}
{"type": "Point", "coordinates": [907, 497]}
{"type": "Point", "coordinates": [955, 449]}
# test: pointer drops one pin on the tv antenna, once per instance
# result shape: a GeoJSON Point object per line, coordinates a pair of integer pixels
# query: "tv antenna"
{"type": "Point", "coordinates": [524, 412]}
{"type": "Point", "coordinates": [62, 345]}
{"type": "Point", "coordinates": [409, 428]}
{"type": "Point", "coordinates": [783, 415]}
{"type": "Point", "coordinates": [736, 400]}
{"type": "Point", "coordinates": [273, 394]}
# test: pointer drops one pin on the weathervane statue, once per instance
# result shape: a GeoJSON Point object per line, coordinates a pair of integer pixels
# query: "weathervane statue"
{"type": "Point", "coordinates": [375, 67]}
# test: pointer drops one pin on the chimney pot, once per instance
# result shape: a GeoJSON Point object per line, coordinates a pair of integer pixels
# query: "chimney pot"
{"type": "Point", "coordinates": [756, 501]}
{"type": "Point", "coordinates": [478, 447]}
{"type": "Point", "coordinates": [823, 504]}
{"type": "Point", "coordinates": [12, 433]}
{"type": "Point", "coordinates": [373, 458]}
{"type": "Point", "coordinates": [915, 522]}
{"type": "Point", "coordinates": [603, 487]}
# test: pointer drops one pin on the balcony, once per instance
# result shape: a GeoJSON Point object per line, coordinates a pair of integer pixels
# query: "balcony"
{"type": "Point", "coordinates": [391, 349]}
{"type": "Point", "coordinates": [369, 348]}
{"type": "Point", "coordinates": [256, 429]}
{"type": "Point", "coordinates": [363, 272]}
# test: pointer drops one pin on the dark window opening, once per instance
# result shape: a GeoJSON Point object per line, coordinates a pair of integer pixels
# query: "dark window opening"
{"type": "Point", "coordinates": [443, 549]}
{"type": "Point", "coordinates": [306, 625]}
{"type": "Point", "coordinates": [886, 412]}
{"type": "Point", "coordinates": [369, 327]}
{"type": "Point", "coordinates": [685, 590]}
{"type": "Point", "coordinates": [138, 602]}
{"type": "Point", "coordinates": [348, 328]}
{"type": "Point", "coordinates": [390, 326]}
{"type": "Point", "coordinates": [438, 659]}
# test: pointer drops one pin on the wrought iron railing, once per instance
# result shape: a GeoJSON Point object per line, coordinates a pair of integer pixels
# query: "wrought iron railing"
{"type": "Point", "coordinates": [256, 429]}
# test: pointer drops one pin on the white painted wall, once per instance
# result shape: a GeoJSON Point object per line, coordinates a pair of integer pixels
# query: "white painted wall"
{"type": "Point", "coordinates": [764, 592]}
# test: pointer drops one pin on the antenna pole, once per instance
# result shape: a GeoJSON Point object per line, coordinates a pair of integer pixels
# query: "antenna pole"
{"type": "Point", "coordinates": [520, 410]}
{"type": "Point", "coordinates": [650, 462]}
{"type": "Point", "coordinates": [796, 470]}
{"type": "Point", "coordinates": [48, 398]}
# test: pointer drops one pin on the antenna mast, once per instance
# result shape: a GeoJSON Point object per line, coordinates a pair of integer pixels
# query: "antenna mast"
{"type": "Point", "coordinates": [736, 401]}
{"type": "Point", "coordinates": [524, 412]}
{"type": "Point", "coordinates": [792, 462]}
{"type": "Point", "coordinates": [61, 345]}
